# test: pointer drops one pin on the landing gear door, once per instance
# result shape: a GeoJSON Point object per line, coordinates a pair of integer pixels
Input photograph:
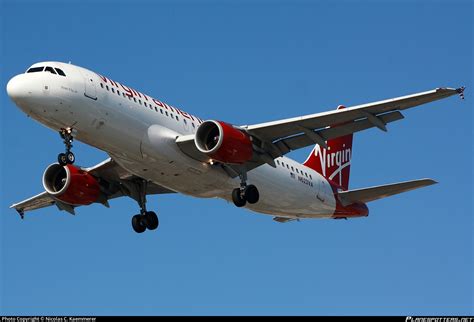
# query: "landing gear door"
{"type": "Point", "coordinates": [90, 89]}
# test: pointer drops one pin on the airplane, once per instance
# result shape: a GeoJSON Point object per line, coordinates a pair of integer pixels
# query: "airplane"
{"type": "Point", "coordinates": [156, 148]}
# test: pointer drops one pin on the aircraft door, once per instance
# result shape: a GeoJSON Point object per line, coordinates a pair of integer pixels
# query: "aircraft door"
{"type": "Point", "coordinates": [319, 185]}
{"type": "Point", "coordinates": [90, 89]}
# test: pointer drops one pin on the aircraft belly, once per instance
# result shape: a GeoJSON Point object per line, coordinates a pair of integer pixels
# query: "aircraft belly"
{"type": "Point", "coordinates": [284, 195]}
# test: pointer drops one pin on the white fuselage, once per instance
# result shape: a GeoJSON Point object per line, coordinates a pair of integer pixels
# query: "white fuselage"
{"type": "Point", "coordinates": [139, 133]}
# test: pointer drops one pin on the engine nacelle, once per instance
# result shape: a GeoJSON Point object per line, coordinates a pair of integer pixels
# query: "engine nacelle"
{"type": "Point", "coordinates": [71, 184]}
{"type": "Point", "coordinates": [223, 142]}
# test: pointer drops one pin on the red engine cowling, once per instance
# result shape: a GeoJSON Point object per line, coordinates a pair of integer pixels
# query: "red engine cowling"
{"type": "Point", "coordinates": [71, 184]}
{"type": "Point", "coordinates": [223, 142]}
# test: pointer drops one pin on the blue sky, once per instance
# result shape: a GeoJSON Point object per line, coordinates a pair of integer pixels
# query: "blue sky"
{"type": "Point", "coordinates": [247, 62]}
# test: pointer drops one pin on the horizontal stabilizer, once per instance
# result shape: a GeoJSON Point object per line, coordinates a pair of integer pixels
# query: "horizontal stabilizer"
{"type": "Point", "coordinates": [379, 192]}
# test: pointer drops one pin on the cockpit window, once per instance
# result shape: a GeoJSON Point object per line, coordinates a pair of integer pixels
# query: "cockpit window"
{"type": "Point", "coordinates": [60, 72]}
{"type": "Point", "coordinates": [50, 69]}
{"type": "Point", "coordinates": [35, 69]}
{"type": "Point", "coordinates": [55, 71]}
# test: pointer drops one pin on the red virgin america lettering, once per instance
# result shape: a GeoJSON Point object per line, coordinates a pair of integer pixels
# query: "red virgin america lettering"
{"type": "Point", "coordinates": [341, 159]}
{"type": "Point", "coordinates": [162, 149]}
{"type": "Point", "coordinates": [134, 93]}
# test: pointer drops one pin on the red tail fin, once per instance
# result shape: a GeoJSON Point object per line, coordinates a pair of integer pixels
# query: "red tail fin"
{"type": "Point", "coordinates": [333, 162]}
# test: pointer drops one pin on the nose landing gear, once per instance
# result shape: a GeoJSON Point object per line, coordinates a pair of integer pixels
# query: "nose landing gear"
{"type": "Point", "coordinates": [67, 157]}
{"type": "Point", "coordinates": [246, 193]}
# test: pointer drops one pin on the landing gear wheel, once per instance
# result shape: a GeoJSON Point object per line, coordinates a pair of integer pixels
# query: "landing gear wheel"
{"type": "Point", "coordinates": [151, 220]}
{"type": "Point", "coordinates": [67, 136]}
{"type": "Point", "coordinates": [138, 224]}
{"type": "Point", "coordinates": [62, 159]}
{"type": "Point", "coordinates": [237, 198]}
{"type": "Point", "coordinates": [70, 158]}
{"type": "Point", "coordinates": [251, 194]}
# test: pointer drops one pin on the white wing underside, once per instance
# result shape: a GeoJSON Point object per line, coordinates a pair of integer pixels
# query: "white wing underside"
{"type": "Point", "coordinates": [274, 139]}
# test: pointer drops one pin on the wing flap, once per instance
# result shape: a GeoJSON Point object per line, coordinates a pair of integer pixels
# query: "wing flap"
{"type": "Point", "coordinates": [379, 192]}
{"type": "Point", "coordinates": [303, 140]}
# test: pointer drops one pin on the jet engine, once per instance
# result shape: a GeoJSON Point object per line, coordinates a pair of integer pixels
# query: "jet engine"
{"type": "Point", "coordinates": [223, 142]}
{"type": "Point", "coordinates": [70, 184]}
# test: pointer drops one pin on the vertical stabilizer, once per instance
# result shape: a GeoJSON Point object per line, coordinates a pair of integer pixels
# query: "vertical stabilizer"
{"type": "Point", "coordinates": [333, 162]}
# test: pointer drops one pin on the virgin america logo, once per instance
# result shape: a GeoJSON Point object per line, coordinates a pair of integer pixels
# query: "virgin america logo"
{"type": "Point", "coordinates": [335, 161]}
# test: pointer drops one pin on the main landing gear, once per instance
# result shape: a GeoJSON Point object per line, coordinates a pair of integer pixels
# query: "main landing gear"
{"type": "Point", "coordinates": [67, 157]}
{"type": "Point", "coordinates": [146, 219]}
{"type": "Point", "coordinates": [246, 193]}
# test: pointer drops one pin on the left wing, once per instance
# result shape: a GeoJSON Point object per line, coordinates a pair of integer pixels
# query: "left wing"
{"type": "Point", "coordinates": [39, 201]}
{"type": "Point", "coordinates": [274, 139]}
{"type": "Point", "coordinates": [114, 182]}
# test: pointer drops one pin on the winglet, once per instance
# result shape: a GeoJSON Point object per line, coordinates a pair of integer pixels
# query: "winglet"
{"type": "Point", "coordinates": [460, 91]}
{"type": "Point", "coordinates": [20, 212]}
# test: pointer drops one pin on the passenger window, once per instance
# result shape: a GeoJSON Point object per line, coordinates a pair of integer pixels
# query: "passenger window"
{"type": "Point", "coordinates": [184, 120]}
{"type": "Point", "coordinates": [297, 171]}
{"type": "Point", "coordinates": [101, 85]}
{"type": "Point", "coordinates": [135, 99]}
{"type": "Point", "coordinates": [140, 101]}
{"type": "Point", "coordinates": [50, 69]}
{"type": "Point", "coordinates": [161, 111]}
{"type": "Point", "coordinates": [156, 109]}
{"type": "Point", "coordinates": [144, 103]}
{"type": "Point", "coordinates": [35, 69]}
{"type": "Point", "coordinates": [60, 72]}
{"type": "Point", "coordinates": [113, 90]}
{"type": "Point", "coordinates": [177, 119]}
{"type": "Point", "coordinates": [118, 92]}
{"type": "Point", "coordinates": [129, 98]}
{"type": "Point", "coordinates": [123, 94]}
{"type": "Point", "coordinates": [278, 162]}
{"type": "Point", "coordinates": [107, 87]}
{"type": "Point", "coordinates": [287, 166]}
{"type": "Point", "coordinates": [292, 169]}
{"type": "Point", "coordinates": [193, 125]}
{"type": "Point", "coordinates": [166, 112]}
{"type": "Point", "coordinates": [310, 177]}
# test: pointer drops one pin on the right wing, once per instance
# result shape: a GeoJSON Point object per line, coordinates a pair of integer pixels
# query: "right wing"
{"type": "Point", "coordinates": [114, 181]}
{"type": "Point", "coordinates": [277, 138]}
{"type": "Point", "coordinates": [379, 192]}
{"type": "Point", "coordinates": [294, 133]}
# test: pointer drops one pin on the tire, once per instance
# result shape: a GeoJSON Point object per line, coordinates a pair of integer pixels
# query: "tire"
{"type": "Point", "coordinates": [151, 220]}
{"type": "Point", "coordinates": [251, 194]}
{"type": "Point", "coordinates": [62, 159]}
{"type": "Point", "coordinates": [70, 158]}
{"type": "Point", "coordinates": [237, 198]}
{"type": "Point", "coordinates": [138, 224]}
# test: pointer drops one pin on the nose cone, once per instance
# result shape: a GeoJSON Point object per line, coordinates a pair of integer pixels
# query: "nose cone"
{"type": "Point", "coordinates": [16, 88]}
